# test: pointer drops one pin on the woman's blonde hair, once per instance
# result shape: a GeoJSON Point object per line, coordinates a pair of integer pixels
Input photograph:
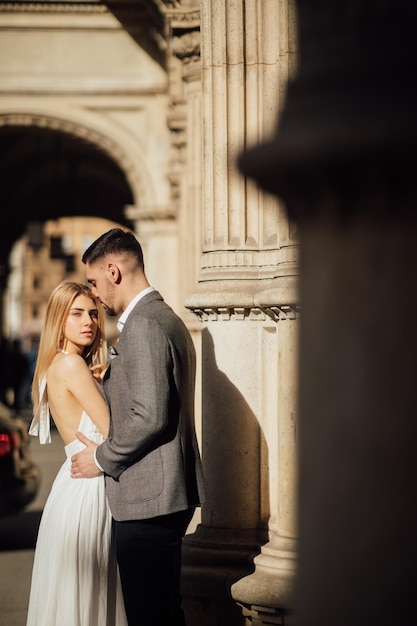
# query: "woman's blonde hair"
{"type": "Point", "coordinates": [52, 336]}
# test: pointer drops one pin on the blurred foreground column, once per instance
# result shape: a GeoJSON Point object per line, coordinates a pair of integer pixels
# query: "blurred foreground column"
{"type": "Point", "coordinates": [344, 161]}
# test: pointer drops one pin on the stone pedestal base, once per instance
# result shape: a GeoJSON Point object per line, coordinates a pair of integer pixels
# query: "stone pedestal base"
{"type": "Point", "coordinates": [261, 615]}
{"type": "Point", "coordinates": [267, 595]}
{"type": "Point", "coordinates": [214, 559]}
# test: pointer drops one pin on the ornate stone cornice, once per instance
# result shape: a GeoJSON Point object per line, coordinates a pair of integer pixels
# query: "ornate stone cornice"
{"type": "Point", "coordinates": [180, 16]}
{"type": "Point", "coordinates": [132, 15]}
{"type": "Point", "coordinates": [283, 312]}
{"type": "Point", "coordinates": [245, 298]}
{"type": "Point", "coordinates": [53, 7]}
{"type": "Point", "coordinates": [137, 7]}
{"type": "Point", "coordinates": [131, 12]}
{"type": "Point", "coordinates": [239, 314]}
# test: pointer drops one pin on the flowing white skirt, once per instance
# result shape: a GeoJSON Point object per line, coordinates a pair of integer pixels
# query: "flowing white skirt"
{"type": "Point", "coordinates": [75, 580]}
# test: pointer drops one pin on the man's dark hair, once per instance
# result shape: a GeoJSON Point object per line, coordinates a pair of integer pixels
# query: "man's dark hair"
{"type": "Point", "coordinates": [113, 241]}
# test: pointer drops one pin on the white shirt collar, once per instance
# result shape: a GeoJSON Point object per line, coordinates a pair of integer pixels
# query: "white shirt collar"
{"type": "Point", "coordinates": [122, 319]}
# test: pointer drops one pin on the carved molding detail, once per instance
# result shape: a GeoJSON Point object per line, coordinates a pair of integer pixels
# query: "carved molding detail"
{"type": "Point", "coordinates": [141, 7]}
{"type": "Point", "coordinates": [239, 314]}
{"type": "Point", "coordinates": [53, 7]}
{"type": "Point", "coordinates": [184, 19]}
{"type": "Point", "coordinates": [187, 47]}
{"type": "Point", "coordinates": [179, 15]}
{"type": "Point", "coordinates": [132, 12]}
{"type": "Point", "coordinates": [283, 311]}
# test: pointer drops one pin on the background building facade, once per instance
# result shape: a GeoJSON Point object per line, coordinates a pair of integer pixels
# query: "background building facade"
{"type": "Point", "coordinates": [134, 113]}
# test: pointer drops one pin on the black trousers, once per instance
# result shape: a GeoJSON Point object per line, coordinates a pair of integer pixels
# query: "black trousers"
{"type": "Point", "coordinates": [149, 558]}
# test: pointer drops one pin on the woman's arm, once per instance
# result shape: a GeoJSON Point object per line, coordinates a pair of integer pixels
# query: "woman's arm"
{"type": "Point", "coordinates": [73, 387]}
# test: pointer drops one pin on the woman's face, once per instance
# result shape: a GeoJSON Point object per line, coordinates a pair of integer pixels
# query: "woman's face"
{"type": "Point", "coordinates": [81, 325]}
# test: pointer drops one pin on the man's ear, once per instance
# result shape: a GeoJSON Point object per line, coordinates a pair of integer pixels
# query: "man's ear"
{"type": "Point", "coordinates": [115, 273]}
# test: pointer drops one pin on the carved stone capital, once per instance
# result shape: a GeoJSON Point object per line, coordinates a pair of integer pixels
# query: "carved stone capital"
{"type": "Point", "coordinates": [187, 46]}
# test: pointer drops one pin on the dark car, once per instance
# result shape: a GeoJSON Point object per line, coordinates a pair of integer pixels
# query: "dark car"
{"type": "Point", "coordinates": [20, 477]}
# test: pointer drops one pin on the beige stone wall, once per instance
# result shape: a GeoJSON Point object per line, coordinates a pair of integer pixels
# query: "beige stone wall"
{"type": "Point", "coordinates": [82, 73]}
{"type": "Point", "coordinates": [247, 300]}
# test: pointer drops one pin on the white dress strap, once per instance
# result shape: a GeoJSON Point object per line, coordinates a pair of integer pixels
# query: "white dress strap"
{"type": "Point", "coordinates": [41, 422]}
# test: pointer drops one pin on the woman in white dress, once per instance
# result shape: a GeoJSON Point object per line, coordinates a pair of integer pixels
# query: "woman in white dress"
{"type": "Point", "coordinates": [75, 580]}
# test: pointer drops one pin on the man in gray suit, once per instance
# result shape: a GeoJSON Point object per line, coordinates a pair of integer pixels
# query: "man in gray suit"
{"type": "Point", "coordinates": [151, 459]}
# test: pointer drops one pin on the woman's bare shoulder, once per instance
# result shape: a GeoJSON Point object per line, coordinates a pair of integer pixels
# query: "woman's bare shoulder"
{"type": "Point", "coordinates": [67, 372]}
{"type": "Point", "coordinates": [67, 363]}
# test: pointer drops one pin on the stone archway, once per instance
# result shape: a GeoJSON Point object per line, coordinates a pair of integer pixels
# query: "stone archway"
{"type": "Point", "coordinates": [40, 149]}
{"type": "Point", "coordinates": [86, 133]}
{"type": "Point", "coordinates": [54, 169]}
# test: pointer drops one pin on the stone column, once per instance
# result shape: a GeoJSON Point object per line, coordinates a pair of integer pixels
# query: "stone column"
{"type": "Point", "coordinates": [185, 124]}
{"type": "Point", "coordinates": [344, 161]}
{"type": "Point", "coordinates": [267, 595]}
{"type": "Point", "coordinates": [185, 163]}
{"type": "Point", "coordinates": [247, 301]}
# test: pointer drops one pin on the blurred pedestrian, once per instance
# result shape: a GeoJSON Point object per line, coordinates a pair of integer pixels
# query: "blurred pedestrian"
{"type": "Point", "coordinates": [18, 370]}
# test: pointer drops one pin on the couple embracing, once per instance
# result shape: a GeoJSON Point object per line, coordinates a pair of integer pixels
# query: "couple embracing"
{"type": "Point", "coordinates": [108, 551]}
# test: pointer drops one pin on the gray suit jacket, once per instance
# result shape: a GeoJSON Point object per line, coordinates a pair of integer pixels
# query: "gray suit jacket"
{"type": "Point", "coordinates": [151, 457]}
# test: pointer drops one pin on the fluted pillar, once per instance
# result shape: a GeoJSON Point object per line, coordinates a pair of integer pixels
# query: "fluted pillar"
{"type": "Point", "coordinates": [182, 24]}
{"type": "Point", "coordinates": [267, 595]}
{"type": "Point", "coordinates": [247, 302]}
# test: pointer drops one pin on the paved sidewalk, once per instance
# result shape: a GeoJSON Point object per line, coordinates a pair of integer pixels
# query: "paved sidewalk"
{"type": "Point", "coordinates": [15, 574]}
{"type": "Point", "coordinates": [18, 537]}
